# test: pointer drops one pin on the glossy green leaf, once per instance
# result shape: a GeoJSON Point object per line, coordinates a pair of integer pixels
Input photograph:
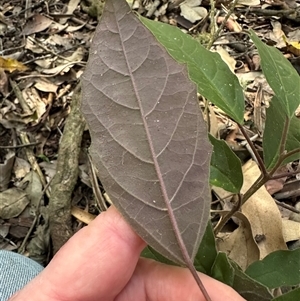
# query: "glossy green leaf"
{"type": "Point", "coordinates": [207, 252]}
{"type": "Point", "coordinates": [213, 77]}
{"type": "Point", "coordinates": [225, 167]}
{"type": "Point", "coordinates": [293, 295]}
{"type": "Point", "coordinates": [275, 121]}
{"type": "Point", "coordinates": [280, 268]}
{"type": "Point", "coordinates": [280, 74]}
{"type": "Point", "coordinates": [222, 270]}
{"type": "Point", "coordinates": [249, 288]}
{"type": "Point", "coordinates": [227, 271]}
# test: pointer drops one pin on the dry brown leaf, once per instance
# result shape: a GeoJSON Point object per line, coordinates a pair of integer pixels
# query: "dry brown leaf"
{"type": "Point", "coordinates": [72, 5]}
{"type": "Point", "coordinates": [294, 35]}
{"type": "Point", "coordinates": [44, 63]}
{"type": "Point", "coordinates": [276, 185]}
{"type": "Point", "coordinates": [36, 24]}
{"type": "Point", "coordinates": [76, 55]}
{"type": "Point", "coordinates": [75, 28]}
{"type": "Point", "coordinates": [191, 10]}
{"type": "Point", "coordinates": [82, 215]}
{"type": "Point", "coordinates": [292, 46]}
{"type": "Point", "coordinates": [13, 202]}
{"type": "Point", "coordinates": [296, 216]}
{"type": "Point", "coordinates": [34, 189]}
{"type": "Point", "coordinates": [45, 85]}
{"type": "Point", "coordinates": [277, 34]}
{"type": "Point", "coordinates": [21, 168]}
{"type": "Point", "coordinates": [56, 27]}
{"type": "Point", "coordinates": [230, 61]}
{"type": "Point", "coordinates": [64, 68]}
{"type": "Point", "coordinates": [248, 77]}
{"type": "Point", "coordinates": [6, 169]}
{"type": "Point", "coordinates": [62, 40]}
{"type": "Point", "coordinates": [231, 139]}
{"type": "Point", "coordinates": [213, 123]}
{"type": "Point", "coordinates": [3, 83]}
{"type": "Point", "coordinates": [38, 246]}
{"type": "Point", "coordinates": [49, 168]}
{"type": "Point", "coordinates": [11, 65]}
{"type": "Point", "coordinates": [290, 189]}
{"type": "Point", "coordinates": [34, 102]}
{"type": "Point", "coordinates": [231, 24]}
{"type": "Point", "coordinates": [12, 122]}
{"type": "Point", "coordinates": [291, 230]}
{"type": "Point", "coordinates": [224, 195]}
{"type": "Point", "coordinates": [240, 245]}
{"type": "Point", "coordinates": [249, 2]}
{"type": "Point", "coordinates": [66, 64]}
{"type": "Point", "coordinates": [256, 64]}
{"type": "Point", "coordinates": [262, 213]}
{"type": "Point", "coordinates": [30, 45]}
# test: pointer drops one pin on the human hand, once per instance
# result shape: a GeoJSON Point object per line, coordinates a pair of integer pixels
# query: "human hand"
{"type": "Point", "coordinates": [101, 263]}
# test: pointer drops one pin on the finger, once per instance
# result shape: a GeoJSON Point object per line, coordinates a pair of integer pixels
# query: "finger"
{"type": "Point", "coordinates": [179, 284]}
{"type": "Point", "coordinates": [97, 261]}
{"type": "Point", "coordinates": [155, 281]}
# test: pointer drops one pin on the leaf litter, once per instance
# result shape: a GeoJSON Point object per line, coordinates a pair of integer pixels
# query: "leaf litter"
{"type": "Point", "coordinates": [46, 67]}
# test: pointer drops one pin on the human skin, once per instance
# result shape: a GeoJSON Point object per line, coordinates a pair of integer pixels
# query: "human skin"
{"type": "Point", "coordinates": [102, 263]}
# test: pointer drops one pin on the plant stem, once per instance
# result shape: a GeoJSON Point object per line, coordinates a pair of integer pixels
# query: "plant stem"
{"type": "Point", "coordinates": [227, 216]}
{"type": "Point", "coordinates": [187, 260]}
{"type": "Point", "coordinates": [285, 174]}
{"type": "Point", "coordinates": [295, 151]}
{"type": "Point", "coordinates": [199, 282]}
{"type": "Point", "coordinates": [20, 145]}
{"type": "Point", "coordinates": [261, 180]}
{"type": "Point", "coordinates": [255, 152]}
{"type": "Point", "coordinates": [212, 24]}
{"type": "Point", "coordinates": [286, 206]}
{"type": "Point", "coordinates": [282, 158]}
{"type": "Point", "coordinates": [216, 34]}
{"type": "Point", "coordinates": [265, 174]}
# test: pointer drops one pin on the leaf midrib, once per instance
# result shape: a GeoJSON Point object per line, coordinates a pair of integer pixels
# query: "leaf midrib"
{"type": "Point", "coordinates": [171, 215]}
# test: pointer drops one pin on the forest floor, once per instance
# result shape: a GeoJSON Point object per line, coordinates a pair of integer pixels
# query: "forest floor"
{"type": "Point", "coordinates": [44, 167]}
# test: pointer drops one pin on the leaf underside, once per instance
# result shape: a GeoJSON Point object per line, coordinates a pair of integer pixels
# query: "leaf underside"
{"type": "Point", "coordinates": [149, 140]}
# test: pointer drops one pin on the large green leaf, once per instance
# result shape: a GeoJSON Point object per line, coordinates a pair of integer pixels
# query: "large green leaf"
{"type": "Point", "coordinates": [213, 77]}
{"type": "Point", "coordinates": [207, 252]}
{"type": "Point", "coordinates": [280, 74]}
{"type": "Point", "coordinates": [227, 271]}
{"type": "Point", "coordinates": [225, 167]}
{"type": "Point", "coordinates": [280, 268]}
{"type": "Point", "coordinates": [293, 295]}
{"type": "Point", "coordinates": [249, 288]}
{"type": "Point", "coordinates": [222, 269]}
{"type": "Point", "coordinates": [276, 117]}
